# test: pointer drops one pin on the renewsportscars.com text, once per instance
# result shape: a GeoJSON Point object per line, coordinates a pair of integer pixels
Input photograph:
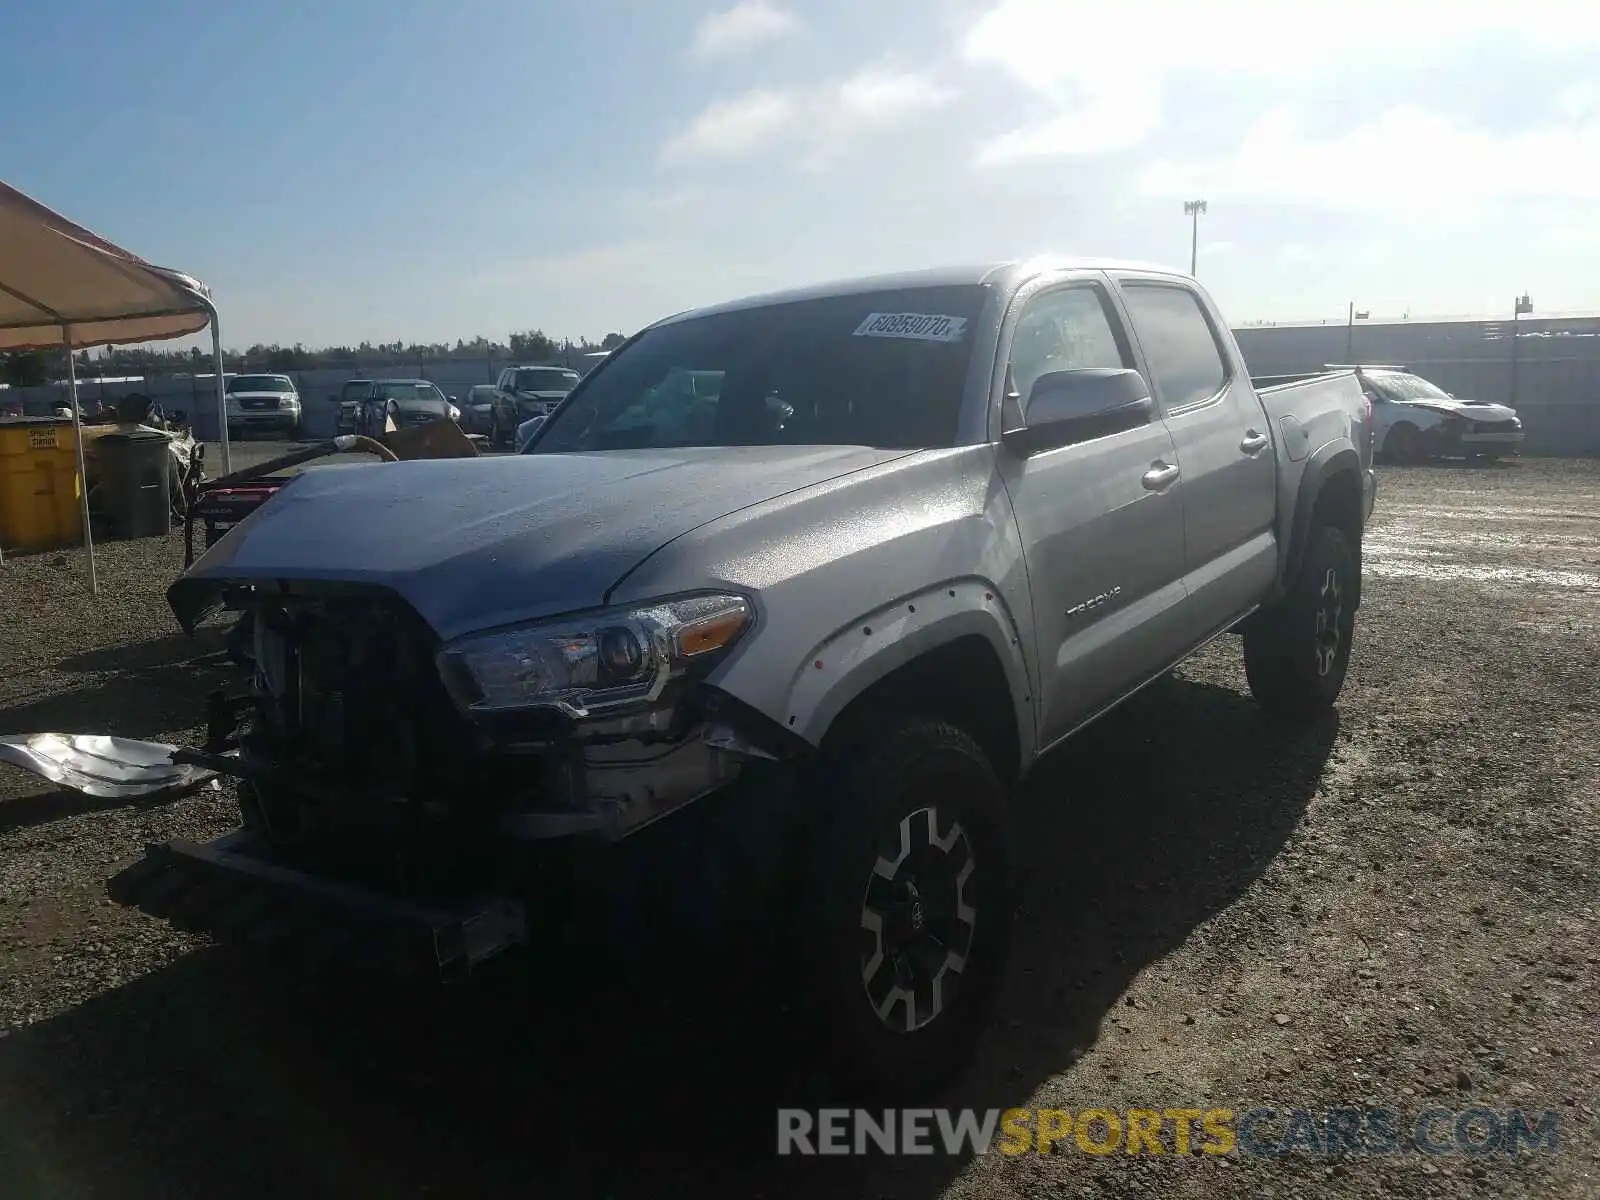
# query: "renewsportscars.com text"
{"type": "Point", "coordinates": [1255, 1133]}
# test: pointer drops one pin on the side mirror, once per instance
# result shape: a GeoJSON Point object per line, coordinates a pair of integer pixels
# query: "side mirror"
{"type": "Point", "coordinates": [452, 399]}
{"type": "Point", "coordinates": [1067, 407]}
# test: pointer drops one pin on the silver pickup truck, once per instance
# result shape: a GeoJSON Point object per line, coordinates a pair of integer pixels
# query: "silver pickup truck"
{"type": "Point", "coordinates": [812, 580]}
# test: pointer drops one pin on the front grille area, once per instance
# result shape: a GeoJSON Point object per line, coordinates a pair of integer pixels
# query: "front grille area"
{"type": "Point", "coordinates": [1495, 427]}
{"type": "Point", "coordinates": [347, 692]}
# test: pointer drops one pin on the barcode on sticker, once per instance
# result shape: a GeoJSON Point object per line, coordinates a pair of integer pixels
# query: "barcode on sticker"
{"type": "Point", "coordinates": [922, 327]}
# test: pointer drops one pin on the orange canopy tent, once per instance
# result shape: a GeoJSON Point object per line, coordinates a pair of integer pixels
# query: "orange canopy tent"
{"type": "Point", "coordinates": [62, 286]}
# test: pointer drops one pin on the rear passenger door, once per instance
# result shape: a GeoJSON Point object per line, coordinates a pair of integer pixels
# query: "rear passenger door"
{"type": "Point", "coordinates": [1224, 446]}
{"type": "Point", "coordinates": [1101, 520]}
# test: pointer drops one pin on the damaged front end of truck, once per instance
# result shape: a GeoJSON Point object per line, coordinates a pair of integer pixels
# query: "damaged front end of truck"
{"type": "Point", "coordinates": [430, 803]}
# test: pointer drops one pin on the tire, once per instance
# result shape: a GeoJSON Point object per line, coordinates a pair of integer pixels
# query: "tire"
{"type": "Point", "coordinates": [1297, 653]}
{"type": "Point", "coordinates": [919, 794]}
{"type": "Point", "coordinates": [1404, 445]}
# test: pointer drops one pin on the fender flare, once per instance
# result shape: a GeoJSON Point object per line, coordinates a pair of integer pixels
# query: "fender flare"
{"type": "Point", "coordinates": [1329, 462]}
{"type": "Point", "coordinates": [852, 659]}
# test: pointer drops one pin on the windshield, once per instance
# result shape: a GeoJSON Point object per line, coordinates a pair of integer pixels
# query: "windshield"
{"type": "Point", "coordinates": [545, 379]}
{"type": "Point", "coordinates": [410, 395]}
{"type": "Point", "coordinates": [883, 369]}
{"type": "Point", "coordinates": [260, 383]}
{"type": "Point", "coordinates": [1407, 387]}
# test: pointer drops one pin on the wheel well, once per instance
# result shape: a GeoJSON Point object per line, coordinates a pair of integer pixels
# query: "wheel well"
{"type": "Point", "coordinates": [1339, 504]}
{"type": "Point", "coordinates": [962, 682]}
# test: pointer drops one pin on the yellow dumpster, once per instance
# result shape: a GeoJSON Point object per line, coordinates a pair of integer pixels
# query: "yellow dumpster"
{"type": "Point", "coordinates": [39, 485]}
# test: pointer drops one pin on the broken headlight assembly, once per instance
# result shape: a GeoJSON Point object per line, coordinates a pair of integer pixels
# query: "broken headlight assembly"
{"type": "Point", "coordinates": [593, 662]}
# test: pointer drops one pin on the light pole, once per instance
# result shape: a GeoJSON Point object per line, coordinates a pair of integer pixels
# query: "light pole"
{"type": "Point", "coordinates": [1350, 332]}
{"type": "Point", "coordinates": [1192, 209]}
{"type": "Point", "coordinates": [1522, 305]}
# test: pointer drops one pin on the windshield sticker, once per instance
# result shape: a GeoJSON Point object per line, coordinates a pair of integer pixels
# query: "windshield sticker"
{"type": "Point", "coordinates": [922, 327]}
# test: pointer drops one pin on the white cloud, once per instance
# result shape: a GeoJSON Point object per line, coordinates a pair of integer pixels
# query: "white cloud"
{"type": "Point", "coordinates": [1212, 249]}
{"type": "Point", "coordinates": [733, 127]}
{"type": "Point", "coordinates": [1297, 254]}
{"type": "Point", "coordinates": [1578, 101]}
{"type": "Point", "coordinates": [1104, 69]}
{"type": "Point", "coordinates": [1104, 123]}
{"type": "Point", "coordinates": [821, 122]}
{"type": "Point", "coordinates": [883, 96]}
{"type": "Point", "coordinates": [740, 28]}
{"type": "Point", "coordinates": [1408, 162]}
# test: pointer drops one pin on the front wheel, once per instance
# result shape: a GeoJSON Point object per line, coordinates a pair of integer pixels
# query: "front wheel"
{"type": "Point", "coordinates": [910, 900]}
{"type": "Point", "coordinates": [1405, 445]}
{"type": "Point", "coordinates": [1297, 652]}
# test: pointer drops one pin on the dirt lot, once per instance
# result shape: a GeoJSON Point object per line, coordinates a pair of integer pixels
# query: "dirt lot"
{"type": "Point", "coordinates": [1397, 908]}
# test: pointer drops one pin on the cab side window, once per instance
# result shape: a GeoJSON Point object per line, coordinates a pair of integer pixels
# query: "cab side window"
{"type": "Point", "coordinates": [1069, 329]}
{"type": "Point", "coordinates": [1179, 343]}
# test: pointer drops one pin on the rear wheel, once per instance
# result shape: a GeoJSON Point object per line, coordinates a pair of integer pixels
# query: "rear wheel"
{"type": "Point", "coordinates": [1297, 652]}
{"type": "Point", "coordinates": [909, 897]}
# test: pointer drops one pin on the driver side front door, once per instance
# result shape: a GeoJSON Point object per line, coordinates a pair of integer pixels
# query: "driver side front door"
{"type": "Point", "coordinates": [1101, 523]}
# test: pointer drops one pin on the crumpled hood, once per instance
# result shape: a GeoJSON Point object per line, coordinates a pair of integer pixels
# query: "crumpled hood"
{"type": "Point", "coordinates": [1470, 409]}
{"type": "Point", "coordinates": [472, 543]}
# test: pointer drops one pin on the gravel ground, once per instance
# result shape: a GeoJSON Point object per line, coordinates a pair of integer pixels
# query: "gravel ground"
{"type": "Point", "coordinates": [1396, 908]}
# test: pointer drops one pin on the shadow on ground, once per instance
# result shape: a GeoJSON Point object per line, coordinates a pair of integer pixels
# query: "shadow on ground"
{"type": "Point", "coordinates": [141, 690]}
{"type": "Point", "coordinates": [650, 1074]}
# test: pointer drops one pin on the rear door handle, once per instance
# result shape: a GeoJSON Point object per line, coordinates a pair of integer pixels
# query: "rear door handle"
{"type": "Point", "coordinates": [1159, 477]}
{"type": "Point", "coordinates": [1254, 443]}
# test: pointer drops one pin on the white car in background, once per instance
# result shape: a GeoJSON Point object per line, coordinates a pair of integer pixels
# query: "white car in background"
{"type": "Point", "coordinates": [1414, 420]}
{"type": "Point", "coordinates": [269, 402]}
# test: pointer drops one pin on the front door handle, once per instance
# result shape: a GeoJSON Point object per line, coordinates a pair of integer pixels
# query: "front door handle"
{"type": "Point", "coordinates": [1159, 477]}
{"type": "Point", "coordinates": [1254, 443]}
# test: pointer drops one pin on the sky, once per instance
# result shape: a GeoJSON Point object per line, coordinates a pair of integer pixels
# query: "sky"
{"type": "Point", "coordinates": [392, 169]}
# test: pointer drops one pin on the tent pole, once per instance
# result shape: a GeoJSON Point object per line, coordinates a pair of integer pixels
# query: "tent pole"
{"type": "Point", "coordinates": [83, 475]}
{"type": "Point", "coordinates": [222, 396]}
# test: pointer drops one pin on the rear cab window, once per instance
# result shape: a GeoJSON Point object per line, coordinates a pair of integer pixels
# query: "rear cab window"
{"type": "Point", "coordinates": [1180, 345]}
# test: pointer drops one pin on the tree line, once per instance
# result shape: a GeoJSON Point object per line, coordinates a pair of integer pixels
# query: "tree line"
{"type": "Point", "coordinates": [29, 368]}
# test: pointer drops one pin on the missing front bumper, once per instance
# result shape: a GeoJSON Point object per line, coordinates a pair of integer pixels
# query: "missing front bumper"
{"type": "Point", "coordinates": [230, 889]}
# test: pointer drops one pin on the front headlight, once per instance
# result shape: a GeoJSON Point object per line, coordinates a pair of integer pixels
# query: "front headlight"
{"type": "Point", "coordinates": [595, 661]}
{"type": "Point", "coordinates": [455, 413]}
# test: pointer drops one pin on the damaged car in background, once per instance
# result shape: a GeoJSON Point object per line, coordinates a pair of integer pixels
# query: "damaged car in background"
{"type": "Point", "coordinates": [773, 648]}
{"type": "Point", "coordinates": [1415, 421]}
